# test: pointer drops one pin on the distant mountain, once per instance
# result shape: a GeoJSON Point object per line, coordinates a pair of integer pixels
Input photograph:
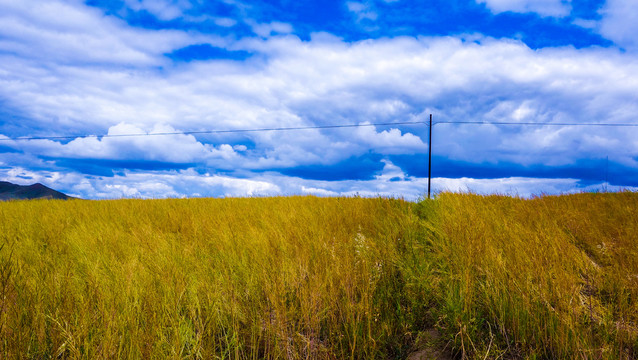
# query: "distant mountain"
{"type": "Point", "coordinates": [9, 191]}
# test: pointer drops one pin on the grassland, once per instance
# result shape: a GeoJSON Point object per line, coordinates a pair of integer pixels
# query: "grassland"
{"type": "Point", "coordinates": [320, 278]}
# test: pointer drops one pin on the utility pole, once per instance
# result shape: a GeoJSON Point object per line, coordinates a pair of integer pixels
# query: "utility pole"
{"type": "Point", "coordinates": [606, 173]}
{"type": "Point", "coordinates": [430, 158]}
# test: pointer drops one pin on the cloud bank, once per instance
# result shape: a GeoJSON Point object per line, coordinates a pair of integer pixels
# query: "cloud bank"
{"type": "Point", "coordinates": [96, 73]}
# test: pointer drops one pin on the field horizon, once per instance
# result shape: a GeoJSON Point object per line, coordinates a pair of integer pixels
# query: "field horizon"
{"type": "Point", "coordinates": [304, 277]}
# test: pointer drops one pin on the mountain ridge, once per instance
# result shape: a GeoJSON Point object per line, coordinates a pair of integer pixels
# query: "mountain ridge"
{"type": "Point", "coordinates": [10, 191]}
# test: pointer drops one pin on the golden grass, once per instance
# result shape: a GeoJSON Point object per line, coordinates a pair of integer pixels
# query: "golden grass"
{"type": "Point", "coordinates": [320, 278]}
{"type": "Point", "coordinates": [550, 277]}
{"type": "Point", "coordinates": [203, 278]}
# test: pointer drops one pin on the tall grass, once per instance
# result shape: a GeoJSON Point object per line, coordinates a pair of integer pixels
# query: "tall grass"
{"type": "Point", "coordinates": [551, 277]}
{"type": "Point", "coordinates": [320, 278]}
{"type": "Point", "coordinates": [206, 278]}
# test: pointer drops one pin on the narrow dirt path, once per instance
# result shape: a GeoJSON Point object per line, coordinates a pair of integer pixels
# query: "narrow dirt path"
{"type": "Point", "coordinates": [429, 348]}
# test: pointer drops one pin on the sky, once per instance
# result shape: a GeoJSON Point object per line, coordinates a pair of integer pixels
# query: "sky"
{"type": "Point", "coordinates": [71, 69]}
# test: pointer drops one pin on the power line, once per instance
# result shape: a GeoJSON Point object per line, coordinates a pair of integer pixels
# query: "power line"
{"type": "Point", "coordinates": [203, 132]}
{"type": "Point", "coordinates": [535, 123]}
{"type": "Point", "coordinates": [64, 137]}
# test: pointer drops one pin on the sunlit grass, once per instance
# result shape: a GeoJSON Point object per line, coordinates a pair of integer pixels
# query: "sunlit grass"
{"type": "Point", "coordinates": [550, 277]}
{"type": "Point", "coordinates": [320, 278]}
{"type": "Point", "coordinates": [205, 278]}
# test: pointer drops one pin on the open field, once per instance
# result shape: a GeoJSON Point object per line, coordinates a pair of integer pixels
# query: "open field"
{"type": "Point", "coordinates": [321, 278]}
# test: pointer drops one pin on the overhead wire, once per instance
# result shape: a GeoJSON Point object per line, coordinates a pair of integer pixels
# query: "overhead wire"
{"type": "Point", "coordinates": [535, 123]}
{"type": "Point", "coordinates": [317, 127]}
{"type": "Point", "coordinates": [202, 132]}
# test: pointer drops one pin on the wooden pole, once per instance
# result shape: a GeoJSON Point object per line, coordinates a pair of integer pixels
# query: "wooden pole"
{"type": "Point", "coordinates": [430, 158]}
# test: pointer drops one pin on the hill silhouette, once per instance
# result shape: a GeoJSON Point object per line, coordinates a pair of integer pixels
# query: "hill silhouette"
{"type": "Point", "coordinates": [10, 191]}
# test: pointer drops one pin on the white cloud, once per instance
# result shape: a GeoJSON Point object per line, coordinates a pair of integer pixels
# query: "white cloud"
{"type": "Point", "coordinates": [177, 148]}
{"type": "Point", "coordinates": [555, 8]}
{"type": "Point", "coordinates": [391, 172]}
{"type": "Point", "coordinates": [162, 9]}
{"type": "Point", "coordinates": [585, 23]}
{"type": "Point", "coordinates": [180, 184]}
{"type": "Point", "coordinates": [267, 29]}
{"type": "Point", "coordinates": [514, 186]}
{"type": "Point", "coordinates": [317, 191]}
{"type": "Point", "coordinates": [307, 83]}
{"type": "Point", "coordinates": [390, 141]}
{"type": "Point", "coordinates": [620, 23]}
{"type": "Point", "coordinates": [363, 11]}
{"type": "Point", "coordinates": [327, 82]}
{"type": "Point", "coordinates": [103, 75]}
{"type": "Point", "coordinates": [142, 185]}
{"type": "Point", "coordinates": [225, 22]}
{"type": "Point", "coordinates": [79, 34]}
{"type": "Point", "coordinates": [188, 183]}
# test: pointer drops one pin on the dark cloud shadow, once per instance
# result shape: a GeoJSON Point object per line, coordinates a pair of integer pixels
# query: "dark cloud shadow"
{"type": "Point", "coordinates": [587, 171]}
{"type": "Point", "coordinates": [110, 167]}
{"type": "Point", "coordinates": [356, 168]}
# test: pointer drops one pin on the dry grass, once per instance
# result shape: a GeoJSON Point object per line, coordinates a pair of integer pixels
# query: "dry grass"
{"type": "Point", "coordinates": [550, 277]}
{"type": "Point", "coordinates": [313, 278]}
{"type": "Point", "coordinates": [297, 277]}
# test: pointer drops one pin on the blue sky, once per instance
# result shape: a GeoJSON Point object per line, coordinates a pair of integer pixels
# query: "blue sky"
{"type": "Point", "coordinates": [72, 68]}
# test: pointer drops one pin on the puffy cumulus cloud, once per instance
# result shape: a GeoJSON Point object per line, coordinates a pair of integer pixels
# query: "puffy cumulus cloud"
{"type": "Point", "coordinates": [398, 78]}
{"type": "Point", "coordinates": [104, 76]}
{"type": "Point", "coordinates": [542, 7]}
{"type": "Point", "coordinates": [391, 182]}
{"type": "Point", "coordinates": [185, 183]}
{"type": "Point", "coordinates": [188, 183]}
{"type": "Point", "coordinates": [391, 172]}
{"type": "Point", "coordinates": [67, 32]}
{"type": "Point", "coordinates": [327, 81]}
{"type": "Point", "coordinates": [619, 23]}
{"type": "Point", "coordinates": [163, 143]}
{"type": "Point", "coordinates": [390, 141]}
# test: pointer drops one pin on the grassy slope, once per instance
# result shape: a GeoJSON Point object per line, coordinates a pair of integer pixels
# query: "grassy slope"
{"type": "Point", "coordinates": [305, 277]}
{"type": "Point", "coordinates": [551, 277]}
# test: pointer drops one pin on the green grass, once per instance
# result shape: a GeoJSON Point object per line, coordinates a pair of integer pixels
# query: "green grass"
{"type": "Point", "coordinates": [320, 278]}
